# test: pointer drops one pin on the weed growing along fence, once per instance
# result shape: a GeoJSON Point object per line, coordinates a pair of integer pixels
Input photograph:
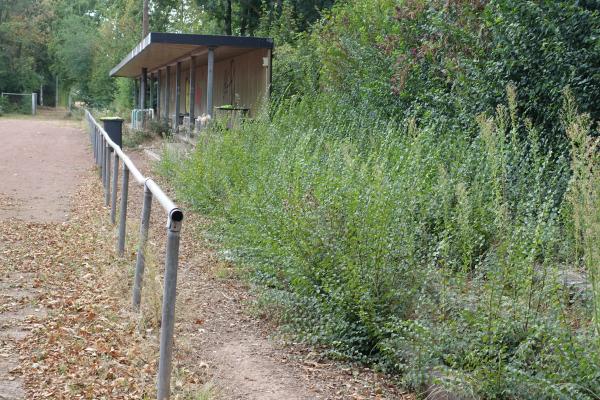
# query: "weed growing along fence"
{"type": "Point", "coordinates": [433, 255]}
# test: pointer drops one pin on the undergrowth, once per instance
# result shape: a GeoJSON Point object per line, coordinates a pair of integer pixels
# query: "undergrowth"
{"type": "Point", "coordinates": [433, 255]}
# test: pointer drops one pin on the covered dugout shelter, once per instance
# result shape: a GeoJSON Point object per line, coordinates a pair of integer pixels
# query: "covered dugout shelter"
{"type": "Point", "coordinates": [185, 76]}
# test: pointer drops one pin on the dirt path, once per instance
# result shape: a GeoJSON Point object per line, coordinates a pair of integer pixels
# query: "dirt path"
{"type": "Point", "coordinates": [39, 163]}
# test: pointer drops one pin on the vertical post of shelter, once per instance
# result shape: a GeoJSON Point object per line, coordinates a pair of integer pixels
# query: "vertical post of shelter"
{"type": "Point", "coordinates": [143, 95]}
{"type": "Point", "coordinates": [136, 96]}
{"type": "Point", "coordinates": [158, 94]}
{"type": "Point", "coordinates": [269, 73]}
{"type": "Point", "coordinates": [168, 307]}
{"type": "Point", "coordinates": [177, 94]}
{"type": "Point", "coordinates": [209, 81]}
{"type": "Point", "coordinates": [168, 95]}
{"type": "Point", "coordinates": [42, 94]}
{"type": "Point", "coordinates": [192, 92]}
{"type": "Point", "coordinates": [151, 101]}
{"type": "Point", "coordinates": [140, 262]}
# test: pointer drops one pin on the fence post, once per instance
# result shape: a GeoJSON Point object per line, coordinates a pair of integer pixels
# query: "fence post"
{"type": "Point", "coordinates": [103, 155]}
{"type": "Point", "coordinates": [141, 260]}
{"type": "Point", "coordinates": [107, 177]}
{"type": "Point", "coordinates": [115, 179]}
{"type": "Point", "coordinates": [96, 144]}
{"type": "Point", "coordinates": [93, 140]}
{"type": "Point", "coordinates": [123, 211]}
{"type": "Point", "coordinates": [168, 306]}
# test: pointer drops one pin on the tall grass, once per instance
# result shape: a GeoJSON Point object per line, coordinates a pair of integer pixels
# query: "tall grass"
{"type": "Point", "coordinates": [436, 255]}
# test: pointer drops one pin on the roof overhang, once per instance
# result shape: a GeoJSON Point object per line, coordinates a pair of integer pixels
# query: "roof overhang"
{"type": "Point", "coordinates": [158, 50]}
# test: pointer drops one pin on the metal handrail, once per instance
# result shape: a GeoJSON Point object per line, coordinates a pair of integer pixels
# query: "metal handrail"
{"type": "Point", "coordinates": [103, 146]}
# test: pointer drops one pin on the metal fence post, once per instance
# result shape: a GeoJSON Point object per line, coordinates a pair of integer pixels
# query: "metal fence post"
{"type": "Point", "coordinates": [107, 183]}
{"type": "Point", "coordinates": [102, 158]}
{"type": "Point", "coordinates": [140, 262]}
{"type": "Point", "coordinates": [115, 179]}
{"type": "Point", "coordinates": [123, 211]}
{"type": "Point", "coordinates": [97, 146]}
{"type": "Point", "coordinates": [95, 141]}
{"type": "Point", "coordinates": [168, 306]}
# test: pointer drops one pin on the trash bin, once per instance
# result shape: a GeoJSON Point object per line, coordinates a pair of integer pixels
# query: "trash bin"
{"type": "Point", "coordinates": [114, 128]}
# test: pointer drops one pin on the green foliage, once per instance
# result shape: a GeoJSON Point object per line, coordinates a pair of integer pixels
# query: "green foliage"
{"type": "Point", "coordinates": [73, 49]}
{"type": "Point", "coordinates": [447, 61]}
{"type": "Point", "coordinates": [133, 138]}
{"type": "Point", "coordinates": [433, 255]}
{"type": "Point", "coordinates": [250, 17]}
{"type": "Point", "coordinates": [15, 104]}
{"type": "Point", "coordinates": [23, 55]}
{"type": "Point", "coordinates": [3, 106]}
{"type": "Point", "coordinates": [543, 47]}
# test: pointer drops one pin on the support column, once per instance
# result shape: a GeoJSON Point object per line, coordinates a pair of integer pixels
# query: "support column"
{"type": "Point", "coordinates": [136, 95]}
{"type": "Point", "coordinates": [158, 94]}
{"type": "Point", "coordinates": [168, 96]}
{"type": "Point", "coordinates": [143, 88]}
{"type": "Point", "coordinates": [151, 101]}
{"type": "Point", "coordinates": [269, 73]}
{"type": "Point", "coordinates": [209, 81]}
{"type": "Point", "coordinates": [177, 95]}
{"type": "Point", "coordinates": [192, 92]}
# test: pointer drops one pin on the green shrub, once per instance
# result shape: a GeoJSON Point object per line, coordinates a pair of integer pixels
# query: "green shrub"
{"type": "Point", "coordinates": [429, 254]}
{"type": "Point", "coordinates": [391, 211]}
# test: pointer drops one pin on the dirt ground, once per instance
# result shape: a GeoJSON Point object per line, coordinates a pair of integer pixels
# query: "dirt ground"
{"type": "Point", "coordinates": [67, 330]}
{"type": "Point", "coordinates": [40, 161]}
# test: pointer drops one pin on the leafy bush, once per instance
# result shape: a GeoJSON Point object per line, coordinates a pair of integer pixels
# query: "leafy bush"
{"type": "Point", "coordinates": [407, 207]}
{"type": "Point", "coordinates": [447, 61]}
{"type": "Point", "coordinates": [429, 254]}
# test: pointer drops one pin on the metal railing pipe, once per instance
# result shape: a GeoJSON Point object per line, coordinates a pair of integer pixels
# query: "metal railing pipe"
{"type": "Point", "coordinates": [162, 198]}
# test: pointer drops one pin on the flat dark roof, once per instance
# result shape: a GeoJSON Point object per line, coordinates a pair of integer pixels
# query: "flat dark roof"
{"type": "Point", "coordinates": [160, 49]}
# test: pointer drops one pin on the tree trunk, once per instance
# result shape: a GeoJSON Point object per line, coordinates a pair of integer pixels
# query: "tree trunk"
{"type": "Point", "coordinates": [145, 24]}
{"type": "Point", "coordinates": [243, 20]}
{"type": "Point", "coordinates": [228, 18]}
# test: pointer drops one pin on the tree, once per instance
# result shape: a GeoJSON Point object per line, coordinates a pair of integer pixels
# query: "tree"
{"type": "Point", "coordinates": [23, 38]}
{"type": "Point", "coordinates": [145, 20]}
